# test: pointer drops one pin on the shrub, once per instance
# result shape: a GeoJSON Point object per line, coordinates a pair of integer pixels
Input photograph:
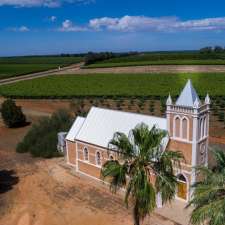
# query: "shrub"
{"type": "Point", "coordinates": [41, 140]}
{"type": "Point", "coordinates": [12, 114]}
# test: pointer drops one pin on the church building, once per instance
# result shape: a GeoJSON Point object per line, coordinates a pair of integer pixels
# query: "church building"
{"type": "Point", "coordinates": [187, 124]}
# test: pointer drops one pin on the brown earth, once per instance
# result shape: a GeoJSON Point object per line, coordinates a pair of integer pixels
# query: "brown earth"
{"type": "Point", "coordinates": [45, 192]}
{"type": "Point", "coordinates": [149, 69]}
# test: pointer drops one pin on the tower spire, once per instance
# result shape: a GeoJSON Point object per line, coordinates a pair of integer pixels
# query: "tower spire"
{"type": "Point", "coordinates": [188, 96]}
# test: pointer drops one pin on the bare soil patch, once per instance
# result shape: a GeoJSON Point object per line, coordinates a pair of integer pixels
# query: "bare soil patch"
{"type": "Point", "coordinates": [149, 69]}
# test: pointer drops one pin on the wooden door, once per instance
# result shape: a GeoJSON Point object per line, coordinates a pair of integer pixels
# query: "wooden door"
{"type": "Point", "coordinates": [182, 190]}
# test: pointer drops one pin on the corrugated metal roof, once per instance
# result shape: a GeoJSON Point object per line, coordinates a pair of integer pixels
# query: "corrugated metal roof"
{"type": "Point", "coordinates": [75, 128]}
{"type": "Point", "coordinates": [188, 96]}
{"type": "Point", "coordinates": [101, 124]}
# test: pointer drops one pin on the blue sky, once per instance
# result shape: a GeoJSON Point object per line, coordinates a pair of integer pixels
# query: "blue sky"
{"type": "Point", "coordinates": [72, 26]}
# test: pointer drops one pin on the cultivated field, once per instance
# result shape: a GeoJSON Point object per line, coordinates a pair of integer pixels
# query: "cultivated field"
{"type": "Point", "coordinates": [107, 64]}
{"type": "Point", "coordinates": [15, 66]}
{"type": "Point", "coordinates": [166, 58]}
{"type": "Point", "coordinates": [115, 85]}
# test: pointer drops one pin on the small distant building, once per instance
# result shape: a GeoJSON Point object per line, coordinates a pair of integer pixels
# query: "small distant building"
{"type": "Point", "coordinates": [61, 146]}
{"type": "Point", "coordinates": [187, 124]}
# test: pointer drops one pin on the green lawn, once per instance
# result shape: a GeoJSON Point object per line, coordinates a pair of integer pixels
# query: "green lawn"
{"type": "Point", "coordinates": [161, 62]}
{"type": "Point", "coordinates": [98, 85]}
{"type": "Point", "coordinates": [15, 66]}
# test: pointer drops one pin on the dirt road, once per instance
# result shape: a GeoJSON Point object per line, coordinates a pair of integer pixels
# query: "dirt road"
{"type": "Point", "coordinates": [150, 69]}
{"type": "Point", "coordinates": [73, 67]}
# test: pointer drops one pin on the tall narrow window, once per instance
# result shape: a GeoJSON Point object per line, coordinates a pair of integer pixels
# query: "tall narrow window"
{"type": "Point", "coordinates": [177, 127]}
{"type": "Point", "coordinates": [205, 127]}
{"type": "Point", "coordinates": [86, 154]}
{"type": "Point", "coordinates": [98, 158]}
{"type": "Point", "coordinates": [185, 128]}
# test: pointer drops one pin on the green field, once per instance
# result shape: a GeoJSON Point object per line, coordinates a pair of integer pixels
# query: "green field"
{"type": "Point", "coordinates": [15, 66]}
{"type": "Point", "coordinates": [98, 85]}
{"type": "Point", "coordinates": [166, 58]}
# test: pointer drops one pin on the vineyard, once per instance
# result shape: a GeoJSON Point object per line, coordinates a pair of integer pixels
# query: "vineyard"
{"type": "Point", "coordinates": [114, 85]}
{"type": "Point", "coordinates": [15, 66]}
{"type": "Point", "coordinates": [170, 58]}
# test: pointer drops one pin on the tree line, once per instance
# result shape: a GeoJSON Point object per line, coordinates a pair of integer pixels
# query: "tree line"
{"type": "Point", "coordinates": [210, 49]}
{"type": "Point", "coordinates": [93, 57]}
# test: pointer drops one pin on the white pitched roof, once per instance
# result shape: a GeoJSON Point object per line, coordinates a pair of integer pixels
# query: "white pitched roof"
{"type": "Point", "coordinates": [188, 96]}
{"type": "Point", "coordinates": [75, 128]}
{"type": "Point", "coordinates": [101, 124]}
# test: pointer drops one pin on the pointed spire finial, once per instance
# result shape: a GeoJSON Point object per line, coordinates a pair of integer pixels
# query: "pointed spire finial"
{"type": "Point", "coordinates": [196, 103]}
{"type": "Point", "coordinates": [169, 100]}
{"type": "Point", "coordinates": [188, 96]}
{"type": "Point", "coordinates": [207, 99]}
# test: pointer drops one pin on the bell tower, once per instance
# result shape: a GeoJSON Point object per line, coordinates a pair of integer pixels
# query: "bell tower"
{"type": "Point", "coordinates": [188, 127]}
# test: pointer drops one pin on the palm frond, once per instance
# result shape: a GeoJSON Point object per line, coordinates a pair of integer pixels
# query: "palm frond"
{"type": "Point", "coordinates": [123, 145]}
{"type": "Point", "coordinates": [116, 173]}
{"type": "Point", "coordinates": [208, 197]}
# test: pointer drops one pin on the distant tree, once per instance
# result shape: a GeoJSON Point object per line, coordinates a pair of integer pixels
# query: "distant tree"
{"type": "Point", "coordinates": [12, 114]}
{"type": "Point", "coordinates": [218, 49]}
{"type": "Point", "coordinates": [206, 50]}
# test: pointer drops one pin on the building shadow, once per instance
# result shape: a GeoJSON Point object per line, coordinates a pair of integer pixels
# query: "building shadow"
{"type": "Point", "coordinates": [8, 179]}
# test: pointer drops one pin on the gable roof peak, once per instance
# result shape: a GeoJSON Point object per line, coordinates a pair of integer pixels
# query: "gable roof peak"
{"type": "Point", "coordinates": [188, 96]}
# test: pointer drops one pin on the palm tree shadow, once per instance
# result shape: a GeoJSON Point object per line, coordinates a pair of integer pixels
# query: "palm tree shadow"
{"type": "Point", "coordinates": [8, 179]}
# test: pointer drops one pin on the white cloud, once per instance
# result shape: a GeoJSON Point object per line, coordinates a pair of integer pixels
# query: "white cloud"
{"type": "Point", "coordinates": [53, 18]}
{"type": "Point", "coordinates": [40, 3]}
{"type": "Point", "coordinates": [19, 29]}
{"type": "Point", "coordinates": [68, 26]}
{"type": "Point", "coordinates": [164, 24]}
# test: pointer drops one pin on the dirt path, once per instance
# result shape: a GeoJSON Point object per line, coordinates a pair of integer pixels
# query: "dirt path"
{"type": "Point", "coordinates": [40, 74]}
{"type": "Point", "coordinates": [150, 69]}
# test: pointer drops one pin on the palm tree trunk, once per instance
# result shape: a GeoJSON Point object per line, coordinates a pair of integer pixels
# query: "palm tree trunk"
{"type": "Point", "coordinates": [136, 214]}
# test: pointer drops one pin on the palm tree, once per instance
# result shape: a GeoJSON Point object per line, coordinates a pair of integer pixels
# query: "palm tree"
{"type": "Point", "coordinates": [143, 168]}
{"type": "Point", "coordinates": [209, 194]}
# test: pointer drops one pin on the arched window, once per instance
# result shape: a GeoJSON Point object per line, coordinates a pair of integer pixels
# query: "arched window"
{"type": "Point", "coordinates": [86, 154]}
{"type": "Point", "coordinates": [111, 157]}
{"type": "Point", "coordinates": [98, 158]}
{"type": "Point", "coordinates": [181, 178]}
{"type": "Point", "coordinates": [185, 128]}
{"type": "Point", "coordinates": [177, 127]}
